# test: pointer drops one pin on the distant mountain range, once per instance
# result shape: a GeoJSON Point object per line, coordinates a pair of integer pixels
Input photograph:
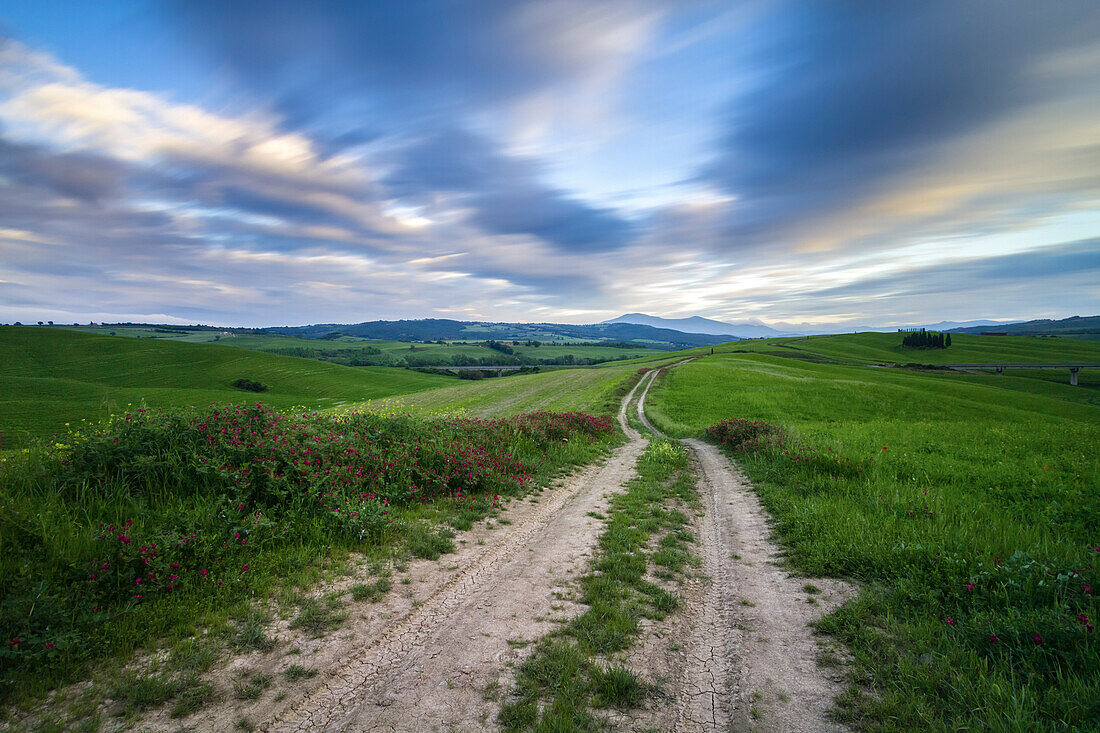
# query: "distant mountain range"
{"type": "Point", "coordinates": [641, 329]}
{"type": "Point", "coordinates": [434, 329]}
{"type": "Point", "coordinates": [757, 329]}
{"type": "Point", "coordinates": [698, 324]}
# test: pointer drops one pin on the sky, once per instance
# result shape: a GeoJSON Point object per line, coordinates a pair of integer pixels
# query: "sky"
{"type": "Point", "coordinates": [255, 163]}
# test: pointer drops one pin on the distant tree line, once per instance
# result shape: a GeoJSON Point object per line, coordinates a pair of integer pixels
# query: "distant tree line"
{"type": "Point", "coordinates": [499, 346]}
{"type": "Point", "coordinates": [926, 340]}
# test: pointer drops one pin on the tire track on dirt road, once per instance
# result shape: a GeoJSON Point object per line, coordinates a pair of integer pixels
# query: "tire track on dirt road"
{"type": "Point", "coordinates": [752, 656]}
{"type": "Point", "coordinates": [769, 678]}
{"type": "Point", "coordinates": [428, 671]}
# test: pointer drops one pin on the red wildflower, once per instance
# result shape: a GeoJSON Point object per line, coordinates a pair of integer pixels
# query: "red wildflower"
{"type": "Point", "coordinates": [994, 639]}
{"type": "Point", "coordinates": [969, 586]}
{"type": "Point", "coordinates": [1038, 640]}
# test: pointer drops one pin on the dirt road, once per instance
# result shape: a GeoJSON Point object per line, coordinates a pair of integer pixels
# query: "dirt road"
{"type": "Point", "coordinates": [751, 661]}
{"type": "Point", "coordinates": [739, 655]}
{"type": "Point", "coordinates": [428, 671]}
{"type": "Point", "coordinates": [754, 653]}
{"type": "Point", "coordinates": [436, 653]}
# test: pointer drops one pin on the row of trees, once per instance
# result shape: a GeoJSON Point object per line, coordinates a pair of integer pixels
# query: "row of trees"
{"type": "Point", "coordinates": [926, 340]}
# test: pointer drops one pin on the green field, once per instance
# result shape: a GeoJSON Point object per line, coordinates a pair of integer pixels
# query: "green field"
{"type": "Point", "coordinates": [50, 377]}
{"type": "Point", "coordinates": [967, 506]}
{"type": "Point", "coordinates": [350, 350]}
{"type": "Point", "coordinates": [587, 390]}
{"type": "Point", "coordinates": [917, 484]}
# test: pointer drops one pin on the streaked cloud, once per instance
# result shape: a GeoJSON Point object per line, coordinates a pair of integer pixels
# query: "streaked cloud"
{"type": "Point", "coordinates": [564, 160]}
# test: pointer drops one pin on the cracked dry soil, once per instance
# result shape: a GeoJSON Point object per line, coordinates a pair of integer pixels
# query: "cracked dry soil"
{"type": "Point", "coordinates": [752, 655]}
{"type": "Point", "coordinates": [748, 658]}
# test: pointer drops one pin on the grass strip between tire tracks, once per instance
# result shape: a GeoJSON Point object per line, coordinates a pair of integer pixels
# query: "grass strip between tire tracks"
{"type": "Point", "coordinates": [574, 670]}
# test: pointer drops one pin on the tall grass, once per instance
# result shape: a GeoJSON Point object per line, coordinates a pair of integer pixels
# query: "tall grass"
{"type": "Point", "coordinates": [970, 512]}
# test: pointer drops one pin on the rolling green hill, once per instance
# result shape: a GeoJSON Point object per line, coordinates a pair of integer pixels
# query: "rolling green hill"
{"type": "Point", "coordinates": [883, 348]}
{"type": "Point", "coordinates": [1077, 327]}
{"type": "Point", "coordinates": [49, 377]}
{"type": "Point", "coordinates": [964, 504]}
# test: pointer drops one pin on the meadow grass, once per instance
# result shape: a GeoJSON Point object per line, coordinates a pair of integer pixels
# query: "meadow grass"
{"type": "Point", "coordinates": [50, 377]}
{"type": "Point", "coordinates": [967, 505]}
{"type": "Point", "coordinates": [163, 524]}
{"type": "Point", "coordinates": [573, 671]}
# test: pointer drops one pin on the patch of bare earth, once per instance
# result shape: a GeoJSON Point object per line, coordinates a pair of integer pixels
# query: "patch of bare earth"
{"type": "Point", "coordinates": [751, 658]}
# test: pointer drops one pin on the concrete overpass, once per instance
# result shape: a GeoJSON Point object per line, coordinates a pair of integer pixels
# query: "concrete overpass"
{"type": "Point", "coordinates": [1001, 366]}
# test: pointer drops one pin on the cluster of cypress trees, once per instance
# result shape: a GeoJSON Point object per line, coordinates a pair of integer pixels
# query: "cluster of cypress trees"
{"type": "Point", "coordinates": [927, 340]}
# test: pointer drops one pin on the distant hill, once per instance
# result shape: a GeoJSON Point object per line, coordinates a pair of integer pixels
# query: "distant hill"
{"type": "Point", "coordinates": [886, 348]}
{"type": "Point", "coordinates": [757, 329]}
{"type": "Point", "coordinates": [960, 325]}
{"type": "Point", "coordinates": [698, 324]}
{"type": "Point", "coordinates": [1081, 327]}
{"type": "Point", "coordinates": [824, 329]}
{"type": "Point", "coordinates": [433, 329]}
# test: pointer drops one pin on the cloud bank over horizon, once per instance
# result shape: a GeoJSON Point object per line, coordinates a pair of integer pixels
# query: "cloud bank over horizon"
{"type": "Point", "coordinates": [261, 163]}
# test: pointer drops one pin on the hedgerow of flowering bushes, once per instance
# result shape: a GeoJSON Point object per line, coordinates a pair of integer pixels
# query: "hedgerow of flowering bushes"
{"type": "Point", "coordinates": [188, 501]}
{"type": "Point", "coordinates": [761, 438]}
{"type": "Point", "coordinates": [746, 435]}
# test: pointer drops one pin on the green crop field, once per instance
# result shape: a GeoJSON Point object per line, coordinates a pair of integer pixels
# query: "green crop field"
{"type": "Point", "coordinates": [587, 390]}
{"type": "Point", "coordinates": [966, 506]}
{"type": "Point", "coordinates": [50, 377]}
